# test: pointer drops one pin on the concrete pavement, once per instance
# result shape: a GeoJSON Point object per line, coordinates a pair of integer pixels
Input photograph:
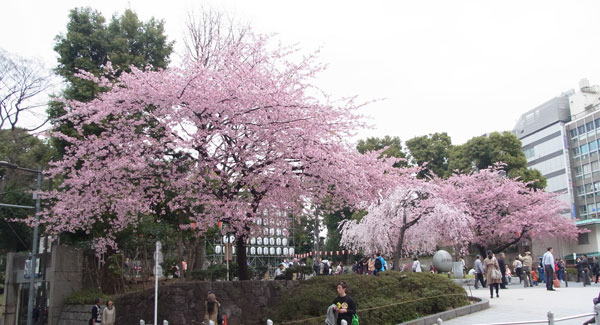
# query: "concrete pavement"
{"type": "Point", "coordinates": [523, 304]}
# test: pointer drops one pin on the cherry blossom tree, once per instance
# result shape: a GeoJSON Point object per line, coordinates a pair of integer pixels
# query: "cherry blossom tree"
{"type": "Point", "coordinates": [505, 210]}
{"type": "Point", "coordinates": [415, 218]}
{"type": "Point", "coordinates": [241, 138]}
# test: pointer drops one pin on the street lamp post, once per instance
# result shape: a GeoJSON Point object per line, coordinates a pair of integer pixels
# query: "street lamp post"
{"type": "Point", "coordinates": [36, 234]}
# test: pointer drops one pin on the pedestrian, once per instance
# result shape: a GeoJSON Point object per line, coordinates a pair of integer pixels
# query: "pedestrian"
{"type": "Point", "coordinates": [502, 265]}
{"type": "Point", "coordinates": [109, 314]}
{"type": "Point", "coordinates": [595, 269]}
{"type": "Point", "coordinates": [579, 265]}
{"type": "Point", "coordinates": [527, 261]}
{"type": "Point", "coordinates": [344, 306]}
{"type": "Point", "coordinates": [96, 313]}
{"type": "Point", "coordinates": [479, 272]}
{"type": "Point", "coordinates": [548, 262]}
{"type": "Point", "coordinates": [379, 264]}
{"type": "Point", "coordinates": [463, 264]}
{"type": "Point", "coordinates": [279, 272]}
{"type": "Point", "coordinates": [586, 270]}
{"type": "Point", "coordinates": [371, 265]}
{"type": "Point", "coordinates": [493, 276]}
{"type": "Point", "coordinates": [508, 274]}
{"type": "Point", "coordinates": [562, 271]}
{"type": "Point", "coordinates": [317, 266]}
{"type": "Point", "coordinates": [416, 266]}
{"type": "Point", "coordinates": [212, 309]}
{"type": "Point", "coordinates": [339, 269]}
{"type": "Point", "coordinates": [518, 267]}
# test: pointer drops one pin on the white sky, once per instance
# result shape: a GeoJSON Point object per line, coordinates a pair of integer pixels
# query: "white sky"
{"type": "Point", "coordinates": [462, 67]}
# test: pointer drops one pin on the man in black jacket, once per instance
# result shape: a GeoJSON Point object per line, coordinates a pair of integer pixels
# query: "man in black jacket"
{"type": "Point", "coordinates": [502, 265]}
{"type": "Point", "coordinates": [96, 313]}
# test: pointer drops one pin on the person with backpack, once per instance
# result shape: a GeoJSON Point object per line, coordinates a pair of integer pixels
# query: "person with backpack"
{"type": "Point", "coordinates": [379, 264]}
{"type": "Point", "coordinates": [325, 267]}
{"type": "Point", "coordinates": [96, 313]}
{"type": "Point", "coordinates": [344, 306]}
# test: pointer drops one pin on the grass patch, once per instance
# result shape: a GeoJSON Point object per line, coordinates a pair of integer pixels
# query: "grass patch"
{"type": "Point", "coordinates": [86, 297]}
{"type": "Point", "coordinates": [313, 296]}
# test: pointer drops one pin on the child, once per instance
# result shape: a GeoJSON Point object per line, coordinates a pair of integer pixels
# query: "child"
{"type": "Point", "coordinates": [534, 277]}
{"type": "Point", "coordinates": [508, 274]}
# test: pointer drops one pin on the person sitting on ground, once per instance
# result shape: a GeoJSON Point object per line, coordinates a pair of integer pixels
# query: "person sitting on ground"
{"type": "Point", "coordinates": [212, 309]}
{"type": "Point", "coordinates": [279, 272]}
{"type": "Point", "coordinates": [343, 304]}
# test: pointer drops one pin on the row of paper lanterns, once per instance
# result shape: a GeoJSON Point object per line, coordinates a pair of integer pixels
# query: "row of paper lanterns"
{"type": "Point", "coordinates": [285, 251]}
{"type": "Point", "coordinates": [259, 240]}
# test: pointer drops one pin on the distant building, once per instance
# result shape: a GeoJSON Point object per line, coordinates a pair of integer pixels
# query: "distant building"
{"type": "Point", "coordinates": [560, 138]}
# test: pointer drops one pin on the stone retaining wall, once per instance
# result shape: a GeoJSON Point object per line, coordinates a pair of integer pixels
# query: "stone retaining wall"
{"type": "Point", "coordinates": [477, 305]}
{"type": "Point", "coordinates": [75, 314]}
{"type": "Point", "coordinates": [183, 303]}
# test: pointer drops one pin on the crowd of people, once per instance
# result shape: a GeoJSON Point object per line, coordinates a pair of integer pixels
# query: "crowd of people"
{"type": "Point", "coordinates": [495, 272]}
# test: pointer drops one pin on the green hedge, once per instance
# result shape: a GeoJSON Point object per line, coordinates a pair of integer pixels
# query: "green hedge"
{"type": "Point", "coordinates": [86, 297]}
{"type": "Point", "coordinates": [313, 296]}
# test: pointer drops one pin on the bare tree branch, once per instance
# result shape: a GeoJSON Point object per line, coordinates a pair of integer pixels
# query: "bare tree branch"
{"type": "Point", "coordinates": [208, 32]}
{"type": "Point", "coordinates": [22, 84]}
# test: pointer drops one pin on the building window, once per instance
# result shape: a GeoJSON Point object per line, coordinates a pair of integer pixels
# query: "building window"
{"type": "Point", "coordinates": [576, 151]}
{"type": "Point", "coordinates": [589, 126]}
{"type": "Point", "coordinates": [593, 146]}
{"type": "Point", "coordinates": [587, 169]}
{"type": "Point", "coordinates": [529, 153]}
{"type": "Point", "coordinates": [580, 190]}
{"type": "Point", "coordinates": [583, 239]}
{"type": "Point", "coordinates": [573, 133]}
{"type": "Point", "coordinates": [584, 149]}
{"type": "Point", "coordinates": [589, 188]}
{"type": "Point", "coordinates": [581, 130]}
{"type": "Point", "coordinates": [595, 165]}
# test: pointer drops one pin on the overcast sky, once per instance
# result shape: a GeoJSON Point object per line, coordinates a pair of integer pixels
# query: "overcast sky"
{"type": "Point", "coordinates": [461, 67]}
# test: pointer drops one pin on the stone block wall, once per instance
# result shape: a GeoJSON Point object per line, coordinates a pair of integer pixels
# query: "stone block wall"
{"type": "Point", "coordinates": [75, 315]}
{"type": "Point", "coordinates": [244, 302]}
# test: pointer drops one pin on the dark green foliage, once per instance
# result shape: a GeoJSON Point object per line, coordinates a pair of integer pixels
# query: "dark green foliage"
{"type": "Point", "coordinates": [90, 43]}
{"type": "Point", "coordinates": [487, 150]}
{"type": "Point", "coordinates": [20, 148]}
{"type": "Point", "coordinates": [392, 146]}
{"type": "Point", "coordinates": [86, 297]}
{"type": "Point", "coordinates": [313, 296]}
{"type": "Point", "coordinates": [431, 151]}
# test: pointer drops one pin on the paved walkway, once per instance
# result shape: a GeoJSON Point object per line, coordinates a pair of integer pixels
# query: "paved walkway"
{"type": "Point", "coordinates": [522, 304]}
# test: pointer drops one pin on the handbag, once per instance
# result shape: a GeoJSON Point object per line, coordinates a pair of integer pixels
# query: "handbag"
{"type": "Point", "coordinates": [556, 283]}
{"type": "Point", "coordinates": [355, 320]}
{"type": "Point", "coordinates": [496, 274]}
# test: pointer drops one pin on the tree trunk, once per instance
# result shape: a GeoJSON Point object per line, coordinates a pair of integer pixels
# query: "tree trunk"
{"type": "Point", "coordinates": [202, 253]}
{"type": "Point", "coordinates": [242, 259]}
{"type": "Point", "coordinates": [398, 252]}
{"type": "Point", "coordinates": [481, 250]}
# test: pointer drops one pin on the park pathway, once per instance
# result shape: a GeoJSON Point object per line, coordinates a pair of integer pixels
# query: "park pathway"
{"type": "Point", "coordinates": [522, 304]}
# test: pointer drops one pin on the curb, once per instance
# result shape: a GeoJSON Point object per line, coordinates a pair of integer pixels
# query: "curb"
{"type": "Point", "coordinates": [453, 313]}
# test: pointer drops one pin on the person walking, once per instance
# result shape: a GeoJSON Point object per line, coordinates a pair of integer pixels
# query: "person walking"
{"type": "Point", "coordinates": [109, 314]}
{"type": "Point", "coordinates": [586, 270]}
{"type": "Point", "coordinates": [416, 266]}
{"type": "Point", "coordinates": [212, 310]}
{"type": "Point", "coordinates": [502, 265]}
{"type": "Point", "coordinates": [479, 272]}
{"type": "Point", "coordinates": [317, 266]}
{"type": "Point", "coordinates": [371, 265]}
{"type": "Point", "coordinates": [579, 265]}
{"type": "Point", "coordinates": [527, 268]}
{"type": "Point", "coordinates": [96, 313]}
{"type": "Point", "coordinates": [344, 306]}
{"type": "Point", "coordinates": [493, 276]}
{"type": "Point", "coordinates": [548, 262]}
{"type": "Point", "coordinates": [595, 269]}
{"type": "Point", "coordinates": [518, 267]}
{"type": "Point", "coordinates": [379, 264]}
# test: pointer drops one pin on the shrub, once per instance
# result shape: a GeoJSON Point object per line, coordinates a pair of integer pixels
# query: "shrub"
{"type": "Point", "coordinates": [86, 297]}
{"type": "Point", "coordinates": [377, 297]}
